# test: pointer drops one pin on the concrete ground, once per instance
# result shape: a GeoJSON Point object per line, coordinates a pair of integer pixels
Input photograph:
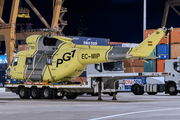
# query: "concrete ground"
{"type": "Point", "coordinates": [86, 107]}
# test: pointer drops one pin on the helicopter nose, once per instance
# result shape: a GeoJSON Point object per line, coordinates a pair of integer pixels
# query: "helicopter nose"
{"type": "Point", "coordinates": [118, 53]}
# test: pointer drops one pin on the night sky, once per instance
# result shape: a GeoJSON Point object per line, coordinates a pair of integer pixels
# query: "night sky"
{"type": "Point", "coordinates": [118, 20]}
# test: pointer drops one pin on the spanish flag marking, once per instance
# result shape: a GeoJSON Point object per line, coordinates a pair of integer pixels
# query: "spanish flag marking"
{"type": "Point", "coordinates": [150, 43]}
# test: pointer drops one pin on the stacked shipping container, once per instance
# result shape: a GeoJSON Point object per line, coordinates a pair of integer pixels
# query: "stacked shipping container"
{"type": "Point", "coordinates": [161, 51]}
{"type": "Point", "coordinates": [133, 66]}
{"type": "Point", "coordinates": [23, 47]}
{"type": "Point", "coordinates": [175, 43]}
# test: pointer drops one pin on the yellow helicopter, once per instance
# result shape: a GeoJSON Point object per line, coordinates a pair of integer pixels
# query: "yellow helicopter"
{"type": "Point", "coordinates": [56, 59]}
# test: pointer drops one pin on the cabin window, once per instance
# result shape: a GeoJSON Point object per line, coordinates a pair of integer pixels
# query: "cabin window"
{"type": "Point", "coordinates": [49, 60]}
{"type": "Point", "coordinates": [16, 61]}
{"type": "Point", "coordinates": [177, 66]}
{"type": "Point", "coordinates": [29, 61]}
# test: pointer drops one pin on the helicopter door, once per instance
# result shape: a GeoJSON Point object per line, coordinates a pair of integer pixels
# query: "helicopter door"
{"type": "Point", "coordinates": [17, 68]}
{"type": "Point", "coordinates": [35, 67]}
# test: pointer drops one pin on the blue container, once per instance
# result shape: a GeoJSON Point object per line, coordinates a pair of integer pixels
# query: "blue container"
{"type": "Point", "coordinates": [2, 48]}
{"type": "Point", "coordinates": [83, 74]}
{"type": "Point", "coordinates": [90, 41]}
{"type": "Point", "coordinates": [163, 51]}
{"type": "Point", "coordinates": [2, 78]}
{"type": "Point", "coordinates": [150, 66]}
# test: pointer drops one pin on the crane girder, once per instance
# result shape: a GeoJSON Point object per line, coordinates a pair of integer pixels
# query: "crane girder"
{"type": "Point", "coordinates": [1, 7]}
{"type": "Point", "coordinates": [172, 4]}
{"type": "Point", "coordinates": [8, 33]}
{"type": "Point", "coordinates": [37, 13]}
{"type": "Point", "coordinates": [56, 13]}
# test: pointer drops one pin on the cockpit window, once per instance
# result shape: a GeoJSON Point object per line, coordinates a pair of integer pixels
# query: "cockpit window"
{"type": "Point", "coordinates": [29, 61]}
{"type": "Point", "coordinates": [11, 62]}
{"type": "Point", "coordinates": [113, 66]}
{"type": "Point", "coordinates": [16, 61]}
{"type": "Point", "coordinates": [177, 66]}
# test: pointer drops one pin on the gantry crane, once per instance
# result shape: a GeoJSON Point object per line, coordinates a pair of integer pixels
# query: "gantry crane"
{"type": "Point", "coordinates": [7, 31]}
{"type": "Point", "coordinates": [172, 4]}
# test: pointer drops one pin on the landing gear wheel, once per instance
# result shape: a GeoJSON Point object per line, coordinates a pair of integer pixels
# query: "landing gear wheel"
{"type": "Point", "coordinates": [172, 89]}
{"type": "Point", "coordinates": [136, 89]}
{"type": "Point", "coordinates": [36, 93]}
{"type": "Point", "coordinates": [72, 96]}
{"type": "Point", "coordinates": [151, 93]}
{"type": "Point", "coordinates": [24, 93]}
{"type": "Point", "coordinates": [47, 93]}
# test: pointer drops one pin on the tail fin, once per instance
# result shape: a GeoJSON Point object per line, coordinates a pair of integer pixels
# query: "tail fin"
{"type": "Point", "coordinates": [145, 48]}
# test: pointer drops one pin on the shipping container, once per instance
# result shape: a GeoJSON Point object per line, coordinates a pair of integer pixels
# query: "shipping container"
{"type": "Point", "coordinates": [90, 41]}
{"type": "Point", "coordinates": [2, 48]}
{"type": "Point", "coordinates": [19, 42]}
{"type": "Point", "coordinates": [147, 33]}
{"type": "Point", "coordinates": [153, 53]}
{"type": "Point", "coordinates": [175, 35]}
{"type": "Point", "coordinates": [2, 78]}
{"type": "Point", "coordinates": [174, 50]}
{"type": "Point", "coordinates": [150, 66]}
{"type": "Point", "coordinates": [133, 63]}
{"type": "Point", "coordinates": [23, 47]}
{"type": "Point", "coordinates": [81, 80]}
{"type": "Point", "coordinates": [164, 40]}
{"type": "Point", "coordinates": [163, 51]}
{"type": "Point", "coordinates": [160, 65]}
{"type": "Point", "coordinates": [83, 74]}
{"type": "Point", "coordinates": [133, 69]}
